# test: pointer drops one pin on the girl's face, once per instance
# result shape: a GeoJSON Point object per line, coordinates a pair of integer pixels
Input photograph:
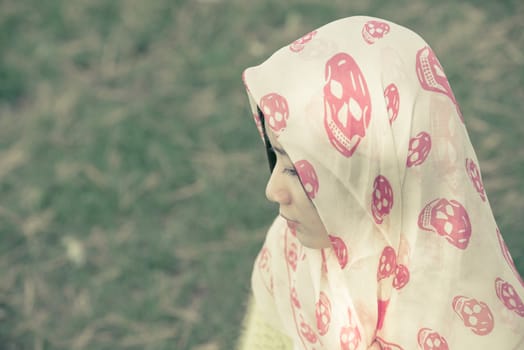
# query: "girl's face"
{"type": "Point", "coordinates": [284, 187]}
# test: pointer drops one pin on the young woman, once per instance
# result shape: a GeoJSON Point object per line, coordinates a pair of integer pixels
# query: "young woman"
{"type": "Point", "coordinates": [385, 238]}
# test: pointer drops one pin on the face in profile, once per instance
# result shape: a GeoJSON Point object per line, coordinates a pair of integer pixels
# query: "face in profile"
{"type": "Point", "coordinates": [284, 187]}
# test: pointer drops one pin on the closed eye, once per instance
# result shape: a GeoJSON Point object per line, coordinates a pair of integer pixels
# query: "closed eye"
{"type": "Point", "coordinates": [290, 171]}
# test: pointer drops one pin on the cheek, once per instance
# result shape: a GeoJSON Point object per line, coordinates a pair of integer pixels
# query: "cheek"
{"type": "Point", "coordinates": [309, 212]}
{"type": "Point", "coordinates": [300, 196]}
{"type": "Point", "coordinates": [305, 207]}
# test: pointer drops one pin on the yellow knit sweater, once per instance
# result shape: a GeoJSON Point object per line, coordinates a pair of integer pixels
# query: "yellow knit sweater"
{"type": "Point", "coordinates": [257, 334]}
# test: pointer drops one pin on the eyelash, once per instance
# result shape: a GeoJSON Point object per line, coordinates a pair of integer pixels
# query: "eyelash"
{"type": "Point", "coordinates": [290, 171]}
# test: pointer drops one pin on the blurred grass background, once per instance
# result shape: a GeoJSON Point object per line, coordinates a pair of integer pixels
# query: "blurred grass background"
{"type": "Point", "coordinates": [132, 177]}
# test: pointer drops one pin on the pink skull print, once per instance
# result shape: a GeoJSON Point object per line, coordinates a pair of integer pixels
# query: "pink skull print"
{"type": "Point", "coordinates": [350, 337]}
{"type": "Point", "coordinates": [475, 314]}
{"type": "Point", "coordinates": [340, 249]}
{"type": "Point", "coordinates": [419, 147]}
{"type": "Point", "coordinates": [474, 176]}
{"type": "Point", "coordinates": [385, 345]}
{"type": "Point", "coordinates": [509, 297]}
{"type": "Point", "coordinates": [447, 218]}
{"type": "Point", "coordinates": [428, 339]}
{"type": "Point", "coordinates": [347, 103]}
{"type": "Point", "coordinates": [507, 256]}
{"type": "Point", "coordinates": [431, 75]}
{"type": "Point", "coordinates": [299, 44]}
{"type": "Point", "coordinates": [382, 198]}
{"type": "Point", "coordinates": [307, 331]}
{"type": "Point", "coordinates": [374, 30]}
{"type": "Point", "coordinates": [387, 263]}
{"type": "Point", "coordinates": [308, 177]}
{"type": "Point", "coordinates": [391, 95]}
{"type": "Point", "coordinates": [323, 313]}
{"type": "Point", "coordinates": [276, 112]}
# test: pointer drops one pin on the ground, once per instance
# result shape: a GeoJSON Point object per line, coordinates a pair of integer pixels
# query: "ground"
{"type": "Point", "coordinates": [132, 191]}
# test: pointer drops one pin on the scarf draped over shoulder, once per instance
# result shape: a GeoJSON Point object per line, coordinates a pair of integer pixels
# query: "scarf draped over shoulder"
{"type": "Point", "coordinates": [417, 261]}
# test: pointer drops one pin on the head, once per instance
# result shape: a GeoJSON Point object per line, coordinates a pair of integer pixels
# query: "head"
{"type": "Point", "coordinates": [286, 189]}
{"type": "Point", "coordinates": [351, 111]}
{"type": "Point", "coordinates": [369, 154]}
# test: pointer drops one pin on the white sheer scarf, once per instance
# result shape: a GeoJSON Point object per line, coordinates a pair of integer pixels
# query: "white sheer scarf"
{"type": "Point", "coordinates": [417, 261]}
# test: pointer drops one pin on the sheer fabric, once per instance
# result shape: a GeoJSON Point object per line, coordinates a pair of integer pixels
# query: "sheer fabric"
{"type": "Point", "coordinates": [417, 261]}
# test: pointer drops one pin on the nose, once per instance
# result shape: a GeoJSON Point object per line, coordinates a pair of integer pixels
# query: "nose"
{"type": "Point", "coordinates": [277, 190]}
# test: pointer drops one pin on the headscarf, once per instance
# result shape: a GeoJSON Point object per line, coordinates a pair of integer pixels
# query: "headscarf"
{"type": "Point", "coordinates": [417, 261]}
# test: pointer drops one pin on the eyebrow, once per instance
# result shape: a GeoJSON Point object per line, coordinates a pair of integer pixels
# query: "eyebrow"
{"type": "Point", "coordinates": [278, 150]}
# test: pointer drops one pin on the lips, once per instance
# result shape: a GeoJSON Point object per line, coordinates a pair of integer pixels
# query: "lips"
{"type": "Point", "coordinates": [292, 224]}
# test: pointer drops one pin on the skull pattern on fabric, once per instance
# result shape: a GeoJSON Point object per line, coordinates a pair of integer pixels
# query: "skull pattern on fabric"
{"type": "Point", "coordinates": [323, 313]}
{"type": "Point", "coordinates": [432, 77]}
{"type": "Point", "coordinates": [474, 175]}
{"type": "Point", "coordinates": [292, 255]}
{"type": "Point", "coordinates": [366, 115]}
{"type": "Point", "coordinates": [276, 111]}
{"type": "Point", "coordinates": [475, 314]}
{"type": "Point", "coordinates": [509, 297]}
{"type": "Point", "coordinates": [350, 335]}
{"type": "Point", "coordinates": [340, 249]}
{"type": "Point", "coordinates": [382, 198]}
{"type": "Point", "coordinates": [294, 298]}
{"type": "Point", "coordinates": [307, 331]}
{"type": "Point", "coordinates": [401, 276]}
{"type": "Point", "coordinates": [384, 345]}
{"type": "Point", "coordinates": [308, 177]}
{"type": "Point", "coordinates": [299, 44]}
{"type": "Point", "coordinates": [387, 263]}
{"type": "Point", "coordinates": [392, 98]}
{"type": "Point", "coordinates": [374, 30]}
{"type": "Point", "coordinates": [419, 147]}
{"type": "Point", "coordinates": [507, 256]}
{"type": "Point", "coordinates": [264, 266]}
{"type": "Point", "coordinates": [347, 103]}
{"type": "Point", "coordinates": [449, 219]}
{"type": "Point", "coordinates": [429, 339]}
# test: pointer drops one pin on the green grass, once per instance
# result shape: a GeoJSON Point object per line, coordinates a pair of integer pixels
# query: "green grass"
{"type": "Point", "coordinates": [132, 177]}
